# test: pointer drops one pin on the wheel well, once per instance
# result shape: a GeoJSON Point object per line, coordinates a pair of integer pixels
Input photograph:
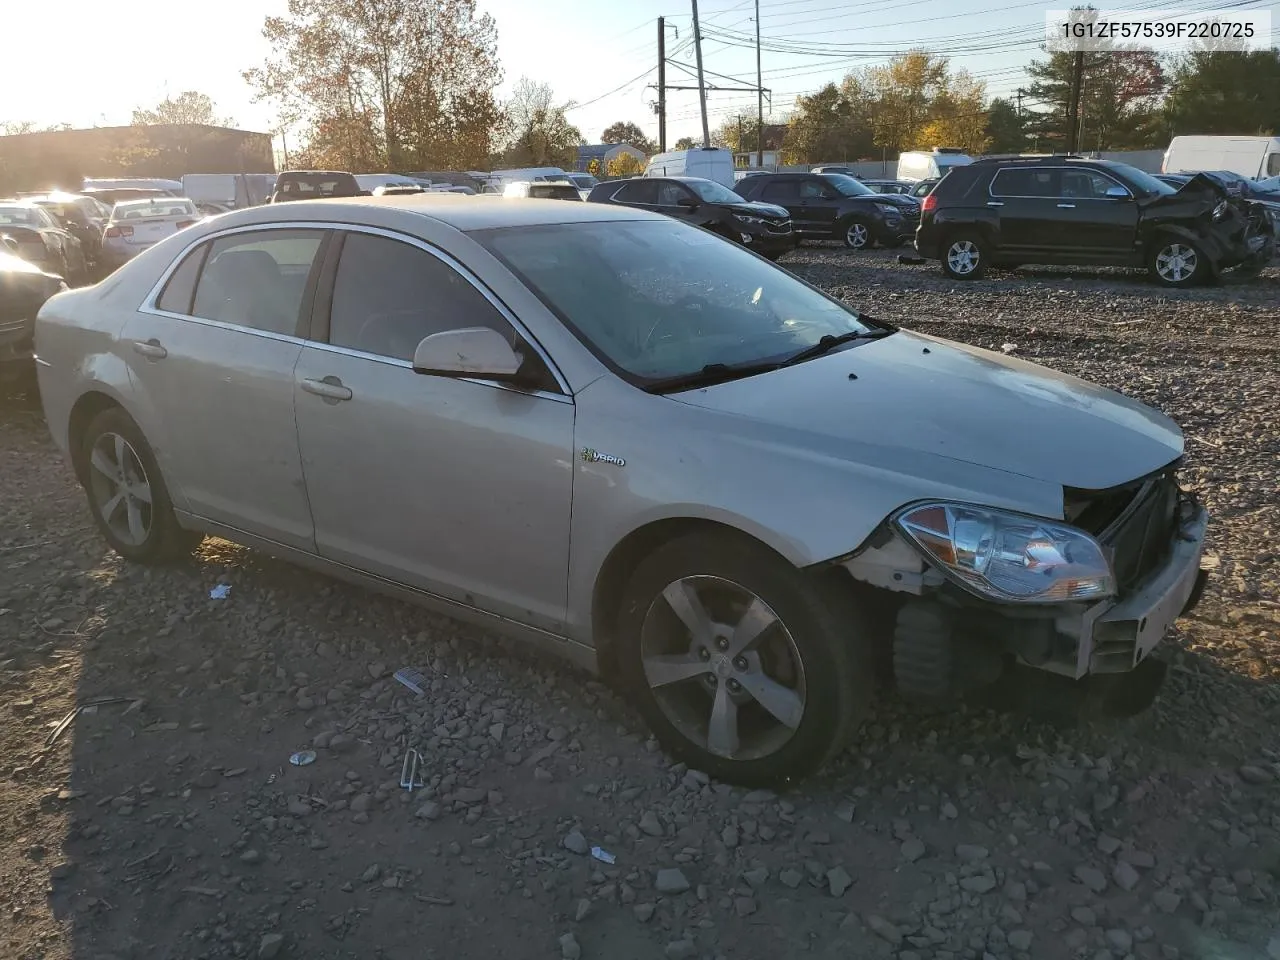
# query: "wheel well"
{"type": "Point", "coordinates": [626, 556]}
{"type": "Point", "coordinates": [82, 414]}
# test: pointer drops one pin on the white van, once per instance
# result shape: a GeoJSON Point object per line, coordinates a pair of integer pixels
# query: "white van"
{"type": "Point", "coordinates": [232, 191]}
{"type": "Point", "coordinates": [917, 165]}
{"type": "Point", "coordinates": [710, 163]}
{"type": "Point", "coordinates": [371, 181]}
{"type": "Point", "coordinates": [171, 187]}
{"type": "Point", "coordinates": [1254, 157]}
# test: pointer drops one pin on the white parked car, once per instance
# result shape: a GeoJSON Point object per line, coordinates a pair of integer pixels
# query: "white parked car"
{"type": "Point", "coordinates": [136, 225]}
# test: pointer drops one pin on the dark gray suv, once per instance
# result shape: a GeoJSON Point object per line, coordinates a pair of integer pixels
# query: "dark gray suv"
{"type": "Point", "coordinates": [833, 206]}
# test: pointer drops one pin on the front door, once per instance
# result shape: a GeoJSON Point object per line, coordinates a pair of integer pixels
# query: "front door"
{"type": "Point", "coordinates": [1097, 226]}
{"type": "Point", "coordinates": [458, 487]}
{"type": "Point", "coordinates": [821, 204]}
{"type": "Point", "coordinates": [212, 367]}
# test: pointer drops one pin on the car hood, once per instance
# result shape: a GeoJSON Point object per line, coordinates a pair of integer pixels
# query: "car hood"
{"type": "Point", "coordinates": [755, 208]}
{"type": "Point", "coordinates": [927, 395]}
{"type": "Point", "coordinates": [897, 199]}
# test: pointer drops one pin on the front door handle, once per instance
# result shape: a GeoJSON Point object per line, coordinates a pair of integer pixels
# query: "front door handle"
{"type": "Point", "coordinates": [995, 203]}
{"type": "Point", "coordinates": [330, 388]}
{"type": "Point", "coordinates": [150, 349]}
{"type": "Point", "coordinates": [1066, 206]}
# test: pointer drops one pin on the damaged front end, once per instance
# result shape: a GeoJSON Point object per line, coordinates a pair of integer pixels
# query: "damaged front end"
{"type": "Point", "coordinates": [1222, 218]}
{"type": "Point", "coordinates": [1073, 606]}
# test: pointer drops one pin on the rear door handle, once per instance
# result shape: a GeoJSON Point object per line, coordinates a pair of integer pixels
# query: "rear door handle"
{"type": "Point", "coordinates": [150, 349]}
{"type": "Point", "coordinates": [1066, 206]}
{"type": "Point", "coordinates": [995, 203]}
{"type": "Point", "coordinates": [330, 388]}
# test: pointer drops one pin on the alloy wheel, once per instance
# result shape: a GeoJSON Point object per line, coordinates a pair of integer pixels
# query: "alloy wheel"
{"type": "Point", "coordinates": [723, 668]}
{"type": "Point", "coordinates": [857, 236]}
{"type": "Point", "coordinates": [1177, 263]}
{"type": "Point", "coordinates": [120, 489]}
{"type": "Point", "coordinates": [963, 257]}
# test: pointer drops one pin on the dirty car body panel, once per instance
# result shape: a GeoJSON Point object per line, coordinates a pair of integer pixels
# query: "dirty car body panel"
{"type": "Point", "coordinates": [529, 480]}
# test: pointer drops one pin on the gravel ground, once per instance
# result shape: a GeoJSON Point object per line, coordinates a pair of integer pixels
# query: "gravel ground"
{"type": "Point", "coordinates": [175, 826]}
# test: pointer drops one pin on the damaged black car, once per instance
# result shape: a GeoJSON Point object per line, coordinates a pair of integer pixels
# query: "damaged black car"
{"type": "Point", "coordinates": [24, 288]}
{"type": "Point", "coordinates": [1070, 211]}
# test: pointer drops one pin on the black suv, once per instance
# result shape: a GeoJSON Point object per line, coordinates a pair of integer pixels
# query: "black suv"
{"type": "Point", "coordinates": [1068, 210]}
{"type": "Point", "coordinates": [704, 203]}
{"type": "Point", "coordinates": [315, 185]}
{"type": "Point", "coordinates": [833, 206]}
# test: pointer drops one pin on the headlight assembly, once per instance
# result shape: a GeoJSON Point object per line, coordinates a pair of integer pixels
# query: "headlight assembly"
{"type": "Point", "coordinates": [1220, 211]}
{"type": "Point", "coordinates": [743, 218]}
{"type": "Point", "coordinates": [1007, 556]}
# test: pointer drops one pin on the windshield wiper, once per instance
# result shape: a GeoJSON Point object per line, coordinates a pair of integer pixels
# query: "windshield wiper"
{"type": "Point", "coordinates": [709, 375]}
{"type": "Point", "coordinates": [830, 342]}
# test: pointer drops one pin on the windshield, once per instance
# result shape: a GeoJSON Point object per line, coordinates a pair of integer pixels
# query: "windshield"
{"type": "Point", "coordinates": [712, 192]}
{"type": "Point", "coordinates": [846, 185]}
{"type": "Point", "coordinates": [658, 299]}
{"type": "Point", "coordinates": [168, 207]}
{"type": "Point", "coordinates": [1142, 181]}
{"type": "Point", "coordinates": [584, 181]}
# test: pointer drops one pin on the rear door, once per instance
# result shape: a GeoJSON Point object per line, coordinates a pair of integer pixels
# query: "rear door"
{"type": "Point", "coordinates": [785, 192]}
{"type": "Point", "coordinates": [1026, 200]}
{"type": "Point", "coordinates": [212, 364]}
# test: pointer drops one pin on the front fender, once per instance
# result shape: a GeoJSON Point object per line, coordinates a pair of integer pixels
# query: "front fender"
{"type": "Point", "coordinates": [1212, 246]}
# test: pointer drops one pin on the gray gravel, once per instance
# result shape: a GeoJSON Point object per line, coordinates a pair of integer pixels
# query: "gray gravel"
{"type": "Point", "coordinates": [177, 827]}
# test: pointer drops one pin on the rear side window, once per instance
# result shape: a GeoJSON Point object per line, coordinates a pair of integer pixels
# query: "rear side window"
{"type": "Point", "coordinates": [638, 191]}
{"type": "Point", "coordinates": [780, 191]}
{"type": "Point", "coordinates": [258, 279]}
{"type": "Point", "coordinates": [389, 295]}
{"type": "Point", "coordinates": [1273, 165]}
{"type": "Point", "coordinates": [1026, 182]}
{"type": "Point", "coordinates": [180, 291]}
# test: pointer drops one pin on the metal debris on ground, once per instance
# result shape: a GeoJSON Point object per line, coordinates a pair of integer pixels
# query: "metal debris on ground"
{"type": "Point", "coordinates": [604, 856]}
{"type": "Point", "coordinates": [302, 758]}
{"type": "Point", "coordinates": [409, 775]}
{"type": "Point", "coordinates": [413, 679]}
{"type": "Point", "coordinates": [220, 592]}
{"type": "Point", "coordinates": [66, 721]}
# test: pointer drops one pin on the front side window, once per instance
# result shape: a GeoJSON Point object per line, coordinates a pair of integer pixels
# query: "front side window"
{"type": "Point", "coordinates": [659, 299]}
{"type": "Point", "coordinates": [713, 192]}
{"type": "Point", "coordinates": [671, 193]}
{"type": "Point", "coordinates": [258, 279]}
{"type": "Point", "coordinates": [848, 186]}
{"type": "Point", "coordinates": [389, 295]}
{"type": "Point", "coordinates": [1085, 184]}
{"type": "Point", "coordinates": [812, 190]}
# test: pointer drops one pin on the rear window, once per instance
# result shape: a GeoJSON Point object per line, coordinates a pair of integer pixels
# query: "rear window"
{"type": "Point", "coordinates": [21, 217]}
{"type": "Point", "coordinates": [168, 207]}
{"type": "Point", "coordinates": [554, 191]}
{"type": "Point", "coordinates": [319, 186]}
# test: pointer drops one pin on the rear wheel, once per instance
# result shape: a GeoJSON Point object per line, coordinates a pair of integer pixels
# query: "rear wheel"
{"type": "Point", "coordinates": [1176, 262]}
{"type": "Point", "coordinates": [743, 666]}
{"type": "Point", "coordinates": [964, 257]}
{"type": "Point", "coordinates": [127, 494]}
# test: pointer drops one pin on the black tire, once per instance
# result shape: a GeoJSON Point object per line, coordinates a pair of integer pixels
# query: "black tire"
{"type": "Point", "coordinates": [164, 540]}
{"type": "Point", "coordinates": [969, 242]}
{"type": "Point", "coordinates": [922, 654]}
{"type": "Point", "coordinates": [855, 233]}
{"type": "Point", "coordinates": [827, 632]}
{"type": "Point", "coordinates": [1176, 262]}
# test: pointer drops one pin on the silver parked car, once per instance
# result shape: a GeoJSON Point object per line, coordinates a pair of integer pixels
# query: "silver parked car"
{"type": "Point", "coordinates": [135, 225]}
{"type": "Point", "coordinates": [626, 438]}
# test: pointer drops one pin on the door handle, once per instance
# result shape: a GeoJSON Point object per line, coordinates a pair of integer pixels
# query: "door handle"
{"type": "Point", "coordinates": [1066, 206]}
{"type": "Point", "coordinates": [150, 349]}
{"type": "Point", "coordinates": [995, 203]}
{"type": "Point", "coordinates": [330, 388]}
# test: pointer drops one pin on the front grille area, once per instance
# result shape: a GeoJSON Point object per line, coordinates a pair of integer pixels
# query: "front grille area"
{"type": "Point", "coordinates": [781, 227]}
{"type": "Point", "coordinates": [1135, 524]}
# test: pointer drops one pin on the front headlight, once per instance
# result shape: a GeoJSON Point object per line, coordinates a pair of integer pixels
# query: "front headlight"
{"type": "Point", "coordinates": [1007, 556]}
{"type": "Point", "coordinates": [743, 218]}
{"type": "Point", "coordinates": [890, 208]}
{"type": "Point", "coordinates": [1220, 210]}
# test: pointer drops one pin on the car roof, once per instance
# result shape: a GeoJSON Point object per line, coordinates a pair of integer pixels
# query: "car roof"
{"type": "Point", "coordinates": [459, 211]}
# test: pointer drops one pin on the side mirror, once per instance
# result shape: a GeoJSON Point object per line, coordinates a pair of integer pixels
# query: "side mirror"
{"type": "Point", "coordinates": [468, 352]}
{"type": "Point", "coordinates": [687, 202]}
{"type": "Point", "coordinates": [1117, 192]}
{"type": "Point", "coordinates": [9, 243]}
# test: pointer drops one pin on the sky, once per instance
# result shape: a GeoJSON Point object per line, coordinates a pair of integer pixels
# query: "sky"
{"type": "Point", "coordinates": [602, 56]}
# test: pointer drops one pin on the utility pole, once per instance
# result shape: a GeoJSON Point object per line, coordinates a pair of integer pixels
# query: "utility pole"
{"type": "Point", "coordinates": [1073, 105]}
{"type": "Point", "coordinates": [759, 98]}
{"type": "Point", "coordinates": [741, 146]}
{"type": "Point", "coordinates": [1021, 94]}
{"type": "Point", "coordinates": [702, 87]}
{"type": "Point", "coordinates": [662, 85]}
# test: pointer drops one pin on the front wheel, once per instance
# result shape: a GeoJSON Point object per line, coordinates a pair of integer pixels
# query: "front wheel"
{"type": "Point", "coordinates": [745, 667]}
{"type": "Point", "coordinates": [1176, 262]}
{"type": "Point", "coordinates": [127, 495]}
{"type": "Point", "coordinates": [964, 257]}
{"type": "Point", "coordinates": [856, 234]}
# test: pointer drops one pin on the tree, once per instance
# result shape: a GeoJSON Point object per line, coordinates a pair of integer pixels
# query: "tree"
{"type": "Point", "coordinates": [190, 106]}
{"type": "Point", "coordinates": [593, 167]}
{"type": "Point", "coordinates": [1220, 92]}
{"type": "Point", "coordinates": [625, 165]}
{"type": "Point", "coordinates": [685, 143]}
{"type": "Point", "coordinates": [626, 132]}
{"type": "Point", "coordinates": [541, 135]}
{"type": "Point", "coordinates": [822, 128]}
{"type": "Point", "coordinates": [1004, 128]}
{"type": "Point", "coordinates": [418, 76]}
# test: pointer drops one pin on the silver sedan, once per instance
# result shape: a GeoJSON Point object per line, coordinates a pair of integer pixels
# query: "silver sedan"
{"type": "Point", "coordinates": [633, 442]}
